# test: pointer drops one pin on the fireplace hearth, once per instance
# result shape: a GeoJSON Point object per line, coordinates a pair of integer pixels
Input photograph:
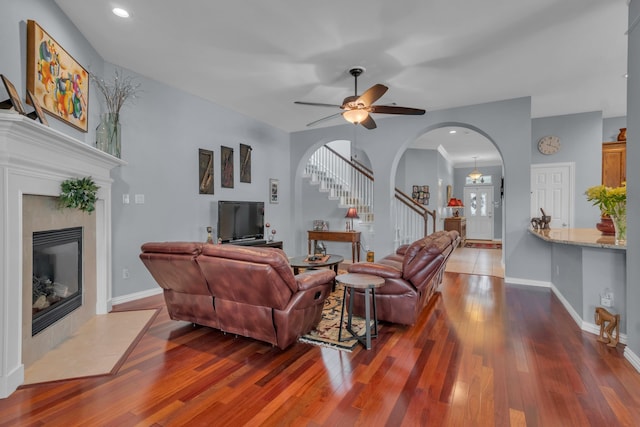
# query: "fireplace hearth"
{"type": "Point", "coordinates": [57, 276]}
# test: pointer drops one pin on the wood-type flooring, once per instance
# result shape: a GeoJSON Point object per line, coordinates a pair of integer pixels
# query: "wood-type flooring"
{"type": "Point", "coordinates": [482, 354]}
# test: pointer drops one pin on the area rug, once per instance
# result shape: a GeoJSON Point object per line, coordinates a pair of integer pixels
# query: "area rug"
{"type": "Point", "coordinates": [326, 333]}
{"type": "Point", "coordinates": [487, 244]}
{"type": "Point", "coordinates": [99, 347]}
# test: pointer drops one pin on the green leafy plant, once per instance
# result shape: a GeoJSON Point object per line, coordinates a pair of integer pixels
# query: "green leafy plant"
{"type": "Point", "coordinates": [611, 201]}
{"type": "Point", "coordinates": [79, 193]}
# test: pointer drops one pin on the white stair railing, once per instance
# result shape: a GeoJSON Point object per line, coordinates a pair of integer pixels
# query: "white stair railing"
{"type": "Point", "coordinates": [351, 183]}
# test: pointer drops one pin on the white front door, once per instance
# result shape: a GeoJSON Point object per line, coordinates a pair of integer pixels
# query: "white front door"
{"type": "Point", "coordinates": [478, 209]}
{"type": "Point", "coordinates": [552, 190]}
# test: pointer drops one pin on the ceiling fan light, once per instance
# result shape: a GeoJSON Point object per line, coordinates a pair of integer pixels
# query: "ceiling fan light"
{"type": "Point", "coordinates": [355, 116]}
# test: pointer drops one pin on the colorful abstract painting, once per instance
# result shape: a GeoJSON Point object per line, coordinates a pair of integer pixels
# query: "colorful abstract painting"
{"type": "Point", "coordinates": [59, 84]}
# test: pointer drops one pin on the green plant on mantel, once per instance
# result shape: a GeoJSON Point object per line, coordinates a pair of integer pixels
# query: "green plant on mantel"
{"type": "Point", "coordinates": [79, 193]}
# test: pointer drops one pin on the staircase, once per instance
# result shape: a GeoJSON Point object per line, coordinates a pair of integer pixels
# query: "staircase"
{"type": "Point", "coordinates": [351, 184]}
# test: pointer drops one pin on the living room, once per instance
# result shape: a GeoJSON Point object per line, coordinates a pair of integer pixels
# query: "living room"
{"type": "Point", "coordinates": [165, 127]}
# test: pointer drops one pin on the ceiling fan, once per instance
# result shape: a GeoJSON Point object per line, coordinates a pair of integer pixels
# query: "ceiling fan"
{"type": "Point", "coordinates": [357, 109]}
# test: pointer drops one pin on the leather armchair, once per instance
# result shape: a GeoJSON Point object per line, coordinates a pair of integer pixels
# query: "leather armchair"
{"type": "Point", "coordinates": [412, 274]}
{"type": "Point", "coordinates": [243, 290]}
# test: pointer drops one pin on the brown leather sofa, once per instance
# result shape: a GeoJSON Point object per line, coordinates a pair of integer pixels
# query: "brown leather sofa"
{"type": "Point", "coordinates": [412, 275]}
{"type": "Point", "coordinates": [243, 290]}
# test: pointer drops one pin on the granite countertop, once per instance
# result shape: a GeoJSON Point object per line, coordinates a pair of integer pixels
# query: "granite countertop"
{"type": "Point", "coordinates": [578, 236]}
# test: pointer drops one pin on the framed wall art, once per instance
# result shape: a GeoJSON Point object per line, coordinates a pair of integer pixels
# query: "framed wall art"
{"type": "Point", "coordinates": [37, 113]}
{"type": "Point", "coordinates": [14, 98]}
{"type": "Point", "coordinates": [205, 171]}
{"type": "Point", "coordinates": [245, 163]}
{"type": "Point", "coordinates": [273, 190]}
{"type": "Point", "coordinates": [226, 167]}
{"type": "Point", "coordinates": [59, 84]}
{"type": "Point", "coordinates": [421, 194]}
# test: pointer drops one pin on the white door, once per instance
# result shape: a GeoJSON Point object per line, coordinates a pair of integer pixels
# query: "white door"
{"type": "Point", "coordinates": [552, 190]}
{"type": "Point", "coordinates": [478, 209]}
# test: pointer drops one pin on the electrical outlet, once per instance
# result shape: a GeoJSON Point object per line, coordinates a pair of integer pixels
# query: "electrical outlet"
{"type": "Point", "coordinates": [139, 198]}
{"type": "Point", "coordinates": [125, 273]}
{"type": "Point", "coordinates": [606, 299]}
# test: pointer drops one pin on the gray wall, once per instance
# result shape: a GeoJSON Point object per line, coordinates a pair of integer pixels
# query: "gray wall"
{"type": "Point", "coordinates": [633, 184]}
{"type": "Point", "coordinates": [507, 124]}
{"type": "Point", "coordinates": [581, 142]}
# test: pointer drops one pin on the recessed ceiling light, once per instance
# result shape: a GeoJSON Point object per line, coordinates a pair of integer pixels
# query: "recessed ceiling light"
{"type": "Point", "coordinates": [453, 131]}
{"type": "Point", "coordinates": [120, 12]}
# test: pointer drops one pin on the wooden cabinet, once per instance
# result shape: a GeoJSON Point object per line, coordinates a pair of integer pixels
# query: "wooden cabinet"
{"type": "Point", "coordinates": [458, 224]}
{"type": "Point", "coordinates": [614, 161]}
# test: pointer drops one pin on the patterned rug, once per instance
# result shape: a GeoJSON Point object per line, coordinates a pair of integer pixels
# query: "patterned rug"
{"type": "Point", "coordinates": [483, 245]}
{"type": "Point", "coordinates": [326, 333]}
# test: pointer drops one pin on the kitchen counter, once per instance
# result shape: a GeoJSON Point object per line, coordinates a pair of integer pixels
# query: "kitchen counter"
{"type": "Point", "coordinates": [579, 237]}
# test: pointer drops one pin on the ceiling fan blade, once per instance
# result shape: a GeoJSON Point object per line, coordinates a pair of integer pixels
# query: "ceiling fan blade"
{"type": "Point", "coordinates": [372, 94]}
{"type": "Point", "coordinates": [323, 119]}
{"type": "Point", "coordinates": [388, 109]}
{"type": "Point", "coordinates": [316, 104]}
{"type": "Point", "coordinates": [369, 123]}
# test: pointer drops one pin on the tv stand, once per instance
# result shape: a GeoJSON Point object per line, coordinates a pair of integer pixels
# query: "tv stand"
{"type": "Point", "coordinates": [261, 243]}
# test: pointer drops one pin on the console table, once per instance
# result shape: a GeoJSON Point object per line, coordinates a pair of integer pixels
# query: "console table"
{"type": "Point", "coordinates": [337, 236]}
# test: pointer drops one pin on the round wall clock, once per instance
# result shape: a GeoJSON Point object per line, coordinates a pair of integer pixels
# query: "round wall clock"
{"type": "Point", "coordinates": [549, 144]}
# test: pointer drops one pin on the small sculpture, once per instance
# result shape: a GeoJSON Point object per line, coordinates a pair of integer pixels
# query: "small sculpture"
{"type": "Point", "coordinates": [544, 220]}
{"type": "Point", "coordinates": [608, 324]}
{"type": "Point", "coordinates": [535, 223]}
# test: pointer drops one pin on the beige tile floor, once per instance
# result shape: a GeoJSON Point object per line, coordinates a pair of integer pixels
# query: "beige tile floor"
{"type": "Point", "coordinates": [476, 261]}
{"type": "Point", "coordinates": [94, 349]}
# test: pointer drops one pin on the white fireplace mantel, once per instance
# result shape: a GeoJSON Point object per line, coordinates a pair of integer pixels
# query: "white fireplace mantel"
{"type": "Point", "coordinates": [35, 159]}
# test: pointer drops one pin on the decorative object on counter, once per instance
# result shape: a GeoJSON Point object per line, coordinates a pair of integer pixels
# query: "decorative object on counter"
{"type": "Point", "coordinates": [79, 193]}
{"type": "Point", "coordinates": [116, 94]}
{"type": "Point", "coordinates": [609, 326]}
{"type": "Point", "coordinates": [605, 226]}
{"type": "Point", "coordinates": [612, 202]}
{"type": "Point", "coordinates": [205, 171]}
{"type": "Point", "coordinates": [351, 214]}
{"type": "Point", "coordinates": [210, 235]}
{"type": "Point", "coordinates": [60, 84]}
{"type": "Point", "coordinates": [544, 220]}
{"type": "Point", "coordinates": [535, 223]}
{"type": "Point", "coordinates": [273, 235]}
{"type": "Point", "coordinates": [245, 163]}
{"type": "Point", "coordinates": [622, 136]}
{"type": "Point", "coordinates": [14, 99]}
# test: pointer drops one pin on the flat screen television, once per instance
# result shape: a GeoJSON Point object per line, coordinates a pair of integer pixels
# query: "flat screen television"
{"type": "Point", "coordinates": [238, 221]}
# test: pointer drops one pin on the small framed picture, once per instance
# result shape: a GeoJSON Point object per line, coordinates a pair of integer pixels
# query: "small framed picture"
{"type": "Point", "coordinates": [273, 190]}
{"type": "Point", "coordinates": [14, 98]}
{"type": "Point", "coordinates": [37, 113]}
{"type": "Point", "coordinates": [205, 171]}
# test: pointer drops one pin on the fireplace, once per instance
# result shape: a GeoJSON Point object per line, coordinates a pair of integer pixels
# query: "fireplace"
{"type": "Point", "coordinates": [56, 276]}
{"type": "Point", "coordinates": [34, 160]}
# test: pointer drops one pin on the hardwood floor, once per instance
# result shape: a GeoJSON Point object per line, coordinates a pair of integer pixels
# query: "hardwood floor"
{"type": "Point", "coordinates": [482, 354]}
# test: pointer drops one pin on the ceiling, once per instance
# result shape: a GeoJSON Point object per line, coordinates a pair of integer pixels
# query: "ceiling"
{"type": "Point", "coordinates": [258, 57]}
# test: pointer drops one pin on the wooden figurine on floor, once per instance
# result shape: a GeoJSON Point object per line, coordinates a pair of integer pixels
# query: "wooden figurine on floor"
{"type": "Point", "coordinates": [608, 323]}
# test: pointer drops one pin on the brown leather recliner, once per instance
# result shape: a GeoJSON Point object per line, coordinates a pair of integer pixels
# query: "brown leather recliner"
{"type": "Point", "coordinates": [411, 275]}
{"type": "Point", "coordinates": [243, 290]}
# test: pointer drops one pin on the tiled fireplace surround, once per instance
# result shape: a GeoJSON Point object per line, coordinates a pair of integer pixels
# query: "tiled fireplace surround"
{"type": "Point", "coordinates": [34, 160]}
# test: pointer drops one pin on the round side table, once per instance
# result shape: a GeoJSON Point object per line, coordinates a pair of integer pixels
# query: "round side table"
{"type": "Point", "coordinates": [369, 283]}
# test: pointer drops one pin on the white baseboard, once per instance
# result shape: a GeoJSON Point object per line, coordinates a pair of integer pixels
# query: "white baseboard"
{"type": "Point", "coordinates": [526, 282]}
{"type": "Point", "coordinates": [136, 296]}
{"type": "Point", "coordinates": [632, 358]}
{"type": "Point", "coordinates": [10, 382]}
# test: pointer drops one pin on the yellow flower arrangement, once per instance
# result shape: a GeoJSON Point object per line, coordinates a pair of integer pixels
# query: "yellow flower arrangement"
{"type": "Point", "coordinates": [611, 201]}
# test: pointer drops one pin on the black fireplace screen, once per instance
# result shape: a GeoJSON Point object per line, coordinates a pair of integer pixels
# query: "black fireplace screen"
{"type": "Point", "coordinates": [57, 275]}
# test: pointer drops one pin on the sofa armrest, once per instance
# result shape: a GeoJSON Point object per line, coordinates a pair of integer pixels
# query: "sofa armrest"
{"type": "Point", "coordinates": [312, 278]}
{"type": "Point", "coordinates": [402, 249]}
{"type": "Point", "coordinates": [379, 270]}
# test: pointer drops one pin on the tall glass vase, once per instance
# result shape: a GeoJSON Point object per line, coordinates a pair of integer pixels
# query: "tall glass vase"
{"type": "Point", "coordinates": [108, 134]}
{"type": "Point", "coordinates": [620, 224]}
